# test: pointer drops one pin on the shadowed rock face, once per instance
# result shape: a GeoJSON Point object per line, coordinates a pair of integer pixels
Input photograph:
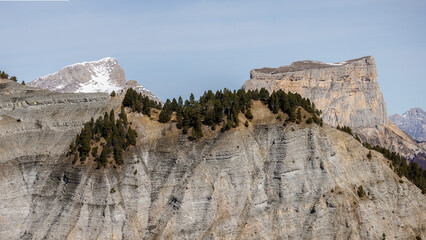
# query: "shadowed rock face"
{"type": "Point", "coordinates": [262, 182]}
{"type": "Point", "coordinates": [347, 93]}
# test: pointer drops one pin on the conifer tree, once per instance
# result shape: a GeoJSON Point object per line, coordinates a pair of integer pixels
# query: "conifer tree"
{"type": "Point", "coordinates": [123, 115]}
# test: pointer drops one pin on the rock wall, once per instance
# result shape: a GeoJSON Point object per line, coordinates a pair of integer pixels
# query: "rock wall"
{"type": "Point", "coordinates": [348, 93]}
{"type": "Point", "coordinates": [36, 128]}
{"type": "Point", "coordinates": [262, 182]}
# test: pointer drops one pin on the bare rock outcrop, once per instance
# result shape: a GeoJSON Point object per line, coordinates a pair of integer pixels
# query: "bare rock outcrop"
{"type": "Point", "coordinates": [348, 94]}
{"type": "Point", "coordinates": [265, 181]}
{"type": "Point", "coordinates": [104, 75]}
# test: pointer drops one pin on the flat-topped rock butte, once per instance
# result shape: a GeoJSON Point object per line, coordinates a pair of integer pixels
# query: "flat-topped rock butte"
{"type": "Point", "coordinates": [348, 94]}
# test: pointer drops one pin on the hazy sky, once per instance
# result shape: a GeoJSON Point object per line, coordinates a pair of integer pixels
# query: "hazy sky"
{"type": "Point", "coordinates": [177, 47]}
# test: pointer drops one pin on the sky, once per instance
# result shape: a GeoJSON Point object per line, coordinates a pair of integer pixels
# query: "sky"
{"type": "Point", "coordinates": [174, 48]}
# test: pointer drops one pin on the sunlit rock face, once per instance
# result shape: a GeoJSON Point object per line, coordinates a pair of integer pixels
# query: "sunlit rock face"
{"type": "Point", "coordinates": [104, 75]}
{"type": "Point", "coordinates": [264, 181]}
{"type": "Point", "coordinates": [347, 93]}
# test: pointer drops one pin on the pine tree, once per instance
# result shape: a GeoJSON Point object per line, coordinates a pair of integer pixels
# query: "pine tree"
{"type": "Point", "coordinates": [131, 136]}
{"type": "Point", "coordinates": [164, 116]}
{"type": "Point", "coordinates": [248, 114]}
{"type": "Point", "coordinates": [123, 116]}
{"type": "Point", "coordinates": [102, 161]}
{"type": "Point", "coordinates": [299, 116]}
{"type": "Point", "coordinates": [106, 126]}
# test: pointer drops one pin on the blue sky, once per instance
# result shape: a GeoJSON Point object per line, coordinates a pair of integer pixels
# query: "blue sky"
{"type": "Point", "coordinates": [177, 47]}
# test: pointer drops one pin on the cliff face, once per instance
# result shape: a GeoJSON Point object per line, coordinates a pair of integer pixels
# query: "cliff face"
{"type": "Point", "coordinates": [262, 182]}
{"type": "Point", "coordinates": [36, 128]}
{"type": "Point", "coordinates": [347, 93]}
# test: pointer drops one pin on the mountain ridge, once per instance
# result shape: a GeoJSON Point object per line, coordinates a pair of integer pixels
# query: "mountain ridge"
{"type": "Point", "coordinates": [104, 75]}
{"type": "Point", "coordinates": [262, 181]}
{"type": "Point", "coordinates": [413, 122]}
{"type": "Point", "coordinates": [348, 94]}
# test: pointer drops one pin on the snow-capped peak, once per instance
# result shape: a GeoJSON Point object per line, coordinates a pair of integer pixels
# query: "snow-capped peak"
{"type": "Point", "coordinates": [104, 75]}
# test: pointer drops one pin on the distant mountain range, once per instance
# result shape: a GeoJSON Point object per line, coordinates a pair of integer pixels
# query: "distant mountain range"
{"type": "Point", "coordinates": [412, 122]}
{"type": "Point", "coordinates": [104, 75]}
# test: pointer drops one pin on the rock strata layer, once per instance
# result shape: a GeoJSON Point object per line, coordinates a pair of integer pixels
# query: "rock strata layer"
{"type": "Point", "coordinates": [347, 93]}
{"type": "Point", "coordinates": [265, 181]}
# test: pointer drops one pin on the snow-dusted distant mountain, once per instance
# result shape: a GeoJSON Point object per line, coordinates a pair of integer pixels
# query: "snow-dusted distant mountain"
{"type": "Point", "coordinates": [412, 122]}
{"type": "Point", "coordinates": [104, 75]}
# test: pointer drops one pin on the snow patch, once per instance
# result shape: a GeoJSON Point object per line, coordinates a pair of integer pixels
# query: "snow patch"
{"type": "Point", "coordinates": [100, 81]}
{"type": "Point", "coordinates": [331, 64]}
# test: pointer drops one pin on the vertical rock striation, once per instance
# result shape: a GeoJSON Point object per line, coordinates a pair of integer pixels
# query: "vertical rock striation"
{"type": "Point", "coordinates": [347, 93]}
{"type": "Point", "coordinates": [265, 181]}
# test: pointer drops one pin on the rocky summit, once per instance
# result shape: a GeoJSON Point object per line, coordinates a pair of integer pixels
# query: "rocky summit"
{"type": "Point", "coordinates": [412, 122]}
{"type": "Point", "coordinates": [104, 75]}
{"type": "Point", "coordinates": [260, 181]}
{"type": "Point", "coordinates": [346, 92]}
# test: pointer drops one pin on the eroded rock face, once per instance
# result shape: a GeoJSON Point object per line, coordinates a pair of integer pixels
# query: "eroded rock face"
{"type": "Point", "coordinates": [348, 92]}
{"type": "Point", "coordinates": [36, 129]}
{"type": "Point", "coordinates": [262, 182]}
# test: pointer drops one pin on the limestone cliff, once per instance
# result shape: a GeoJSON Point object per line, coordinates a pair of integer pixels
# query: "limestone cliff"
{"type": "Point", "coordinates": [262, 182]}
{"type": "Point", "coordinates": [347, 93]}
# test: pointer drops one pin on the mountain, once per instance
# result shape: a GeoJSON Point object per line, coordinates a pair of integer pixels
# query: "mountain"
{"type": "Point", "coordinates": [104, 75]}
{"type": "Point", "coordinates": [348, 94]}
{"type": "Point", "coordinates": [412, 122]}
{"type": "Point", "coordinates": [264, 181]}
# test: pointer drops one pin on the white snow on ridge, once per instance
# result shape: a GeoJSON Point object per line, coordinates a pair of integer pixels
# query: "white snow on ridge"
{"type": "Point", "coordinates": [331, 64]}
{"type": "Point", "coordinates": [100, 81]}
{"type": "Point", "coordinates": [106, 59]}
